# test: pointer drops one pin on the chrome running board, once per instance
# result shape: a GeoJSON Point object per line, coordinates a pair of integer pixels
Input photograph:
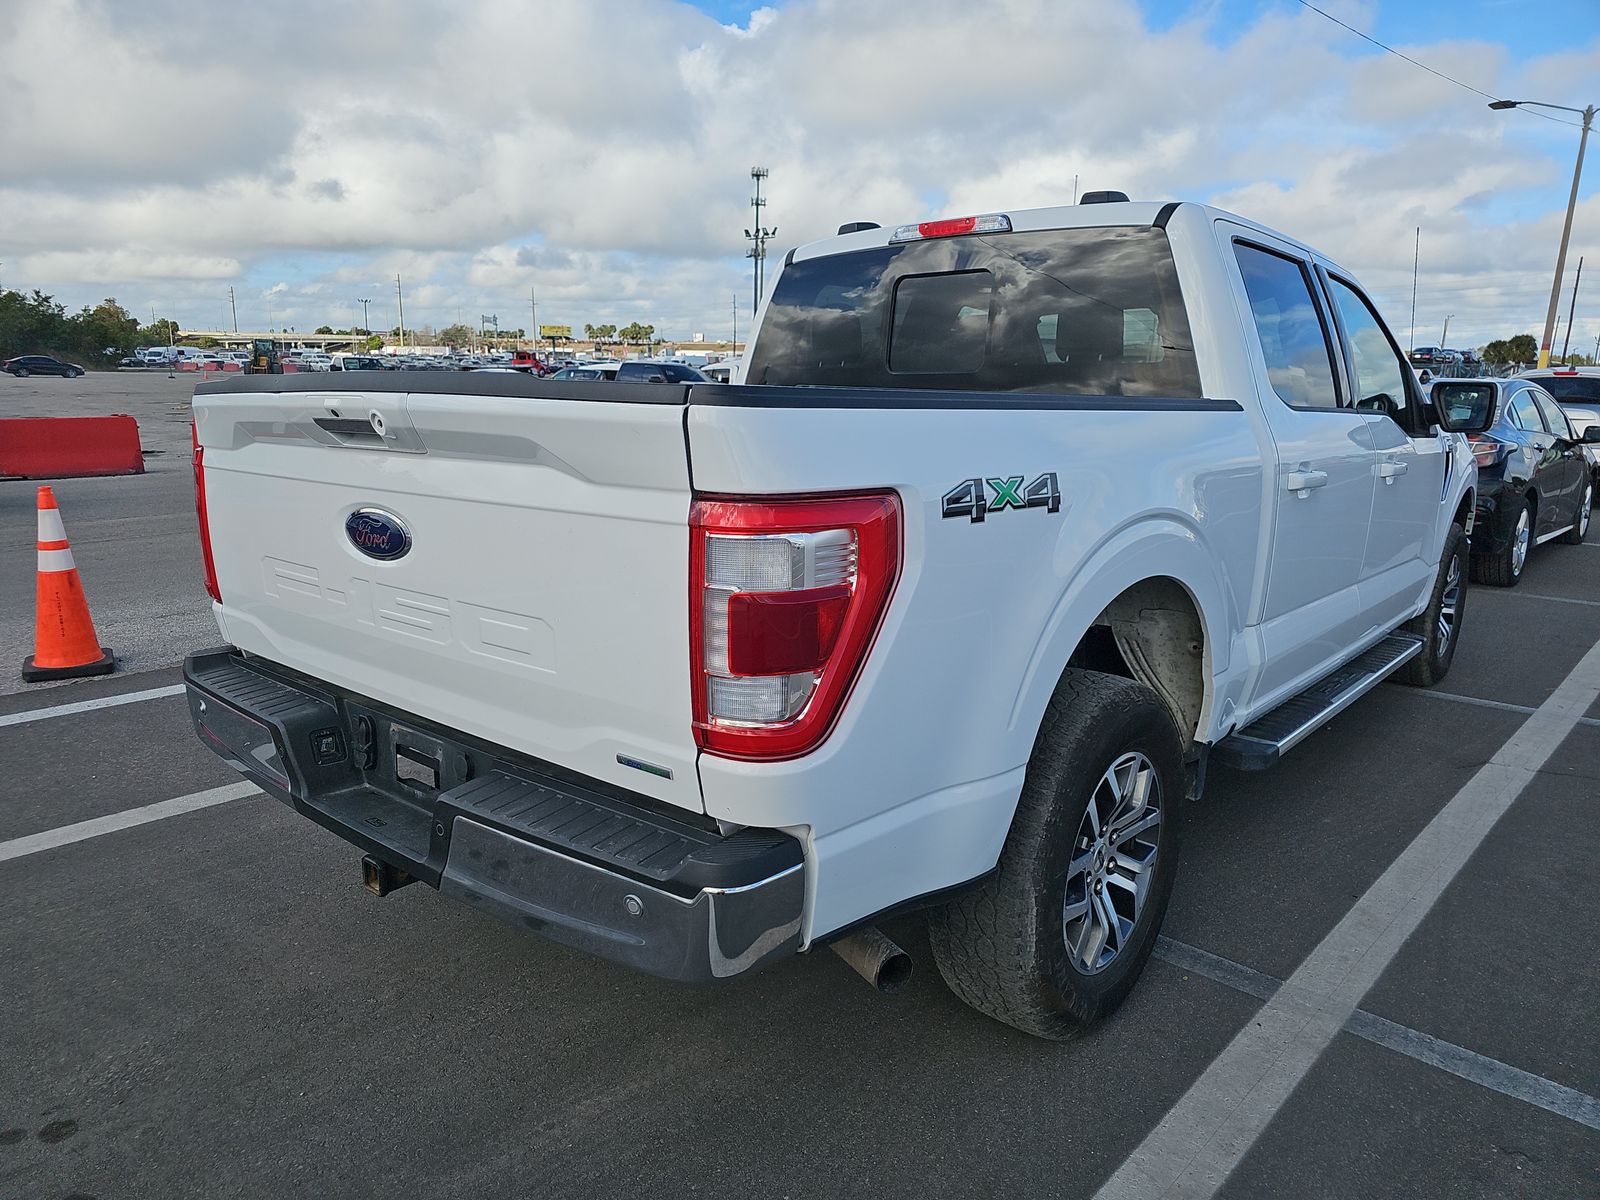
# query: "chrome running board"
{"type": "Point", "coordinates": [1260, 744]}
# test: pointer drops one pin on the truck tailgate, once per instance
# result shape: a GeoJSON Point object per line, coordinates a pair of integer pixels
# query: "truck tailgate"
{"type": "Point", "coordinates": [541, 600]}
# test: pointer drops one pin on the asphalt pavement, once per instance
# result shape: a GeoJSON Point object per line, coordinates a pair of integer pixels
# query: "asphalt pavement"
{"type": "Point", "coordinates": [210, 1005]}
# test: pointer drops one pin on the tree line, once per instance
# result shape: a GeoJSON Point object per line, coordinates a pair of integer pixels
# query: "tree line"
{"type": "Point", "coordinates": [96, 336]}
{"type": "Point", "coordinates": [629, 334]}
{"type": "Point", "coordinates": [1523, 350]}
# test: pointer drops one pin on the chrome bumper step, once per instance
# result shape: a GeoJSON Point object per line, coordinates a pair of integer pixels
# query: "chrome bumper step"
{"type": "Point", "coordinates": [1262, 743]}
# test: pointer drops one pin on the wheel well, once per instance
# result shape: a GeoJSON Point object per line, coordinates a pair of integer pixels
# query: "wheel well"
{"type": "Point", "coordinates": [1464, 514]}
{"type": "Point", "coordinates": [1152, 633]}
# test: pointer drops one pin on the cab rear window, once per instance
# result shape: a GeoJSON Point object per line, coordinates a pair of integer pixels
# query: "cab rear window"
{"type": "Point", "coordinates": [1073, 312]}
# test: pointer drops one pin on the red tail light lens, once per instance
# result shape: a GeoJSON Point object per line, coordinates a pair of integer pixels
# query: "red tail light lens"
{"type": "Point", "coordinates": [1488, 450]}
{"type": "Point", "coordinates": [212, 589]}
{"type": "Point", "coordinates": [786, 596]}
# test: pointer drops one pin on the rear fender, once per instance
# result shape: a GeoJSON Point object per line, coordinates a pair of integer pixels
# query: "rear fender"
{"type": "Point", "coordinates": [1153, 548]}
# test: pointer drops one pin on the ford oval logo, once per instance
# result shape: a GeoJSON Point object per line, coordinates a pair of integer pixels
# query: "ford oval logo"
{"type": "Point", "coordinates": [377, 534]}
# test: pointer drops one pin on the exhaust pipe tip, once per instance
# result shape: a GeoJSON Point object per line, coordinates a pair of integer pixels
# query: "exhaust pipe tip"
{"type": "Point", "coordinates": [876, 959]}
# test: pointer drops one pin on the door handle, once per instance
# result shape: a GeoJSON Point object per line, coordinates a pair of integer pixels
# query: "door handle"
{"type": "Point", "coordinates": [1387, 471]}
{"type": "Point", "coordinates": [1304, 481]}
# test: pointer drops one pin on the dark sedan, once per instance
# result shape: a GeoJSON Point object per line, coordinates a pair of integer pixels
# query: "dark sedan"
{"type": "Point", "coordinates": [1534, 483]}
{"type": "Point", "coordinates": [40, 364]}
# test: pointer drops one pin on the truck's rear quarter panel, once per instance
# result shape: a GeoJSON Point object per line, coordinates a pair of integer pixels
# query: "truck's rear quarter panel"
{"type": "Point", "coordinates": [914, 789]}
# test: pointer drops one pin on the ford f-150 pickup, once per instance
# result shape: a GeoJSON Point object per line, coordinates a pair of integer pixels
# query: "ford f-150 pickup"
{"type": "Point", "coordinates": [1009, 525]}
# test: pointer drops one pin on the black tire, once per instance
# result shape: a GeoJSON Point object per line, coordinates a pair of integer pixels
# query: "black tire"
{"type": "Point", "coordinates": [1580, 526]}
{"type": "Point", "coordinates": [1001, 946]}
{"type": "Point", "coordinates": [75, 372]}
{"type": "Point", "coordinates": [21, 372]}
{"type": "Point", "coordinates": [1503, 568]}
{"type": "Point", "coordinates": [1438, 645]}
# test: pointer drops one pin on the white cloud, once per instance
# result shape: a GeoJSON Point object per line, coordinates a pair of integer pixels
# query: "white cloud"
{"type": "Point", "coordinates": [599, 153]}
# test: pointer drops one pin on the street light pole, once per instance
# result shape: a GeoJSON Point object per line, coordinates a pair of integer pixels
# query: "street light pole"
{"type": "Point", "coordinates": [1572, 309]}
{"type": "Point", "coordinates": [758, 251]}
{"type": "Point", "coordinates": [365, 328]}
{"type": "Point", "coordinates": [235, 309]}
{"type": "Point", "coordinates": [400, 305]}
{"type": "Point", "coordinates": [1444, 338]}
{"type": "Point", "coordinates": [1566, 229]}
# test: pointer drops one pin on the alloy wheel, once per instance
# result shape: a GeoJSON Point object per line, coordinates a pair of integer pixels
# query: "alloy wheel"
{"type": "Point", "coordinates": [1449, 606]}
{"type": "Point", "coordinates": [1113, 863]}
{"type": "Point", "coordinates": [1519, 545]}
{"type": "Point", "coordinates": [1583, 511]}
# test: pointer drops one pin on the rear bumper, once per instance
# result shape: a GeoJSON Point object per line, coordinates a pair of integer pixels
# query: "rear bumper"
{"type": "Point", "coordinates": [573, 859]}
{"type": "Point", "coordinates": [1491, 529]}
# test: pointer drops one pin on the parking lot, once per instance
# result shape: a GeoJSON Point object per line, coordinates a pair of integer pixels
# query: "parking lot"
{"type": "Point", "coordinates": [205, 1002]}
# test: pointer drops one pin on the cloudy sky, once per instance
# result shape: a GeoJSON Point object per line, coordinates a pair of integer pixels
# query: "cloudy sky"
{"type": "Point", "coordinates": [598, 151]}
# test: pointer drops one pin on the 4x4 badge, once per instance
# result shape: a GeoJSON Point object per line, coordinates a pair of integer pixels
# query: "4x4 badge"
{"type": "Point", "coordinates": [970, 497]}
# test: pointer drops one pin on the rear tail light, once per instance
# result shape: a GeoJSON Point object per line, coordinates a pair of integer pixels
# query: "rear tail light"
{"type": "Point", "coordinates": [786, 596]}
{"type": "Point", "coordinates": [212, 589]}
{"type": "Point", "coordinates": [1489, 450]}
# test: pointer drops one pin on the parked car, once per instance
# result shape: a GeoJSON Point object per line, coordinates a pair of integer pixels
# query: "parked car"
{"type": "Point", "coordinates": [1577, 391]}
{"type": "Point", "coordinates": [949, 615]}
{"type": "Point", "coordinates": [586, 372]}
{"type": "Point", "coordinates": [355, 362]}
{"type": "Point", "coordinates": [40, 364]}
{"type": "Point", "coordinates": [645, 370]}
{"type": "Point", "coordinates": [1534, 483]}
{"type": "Point", "coordinates": [720, 372]}
{"type": "Point", "coordinates": [1426, 356]}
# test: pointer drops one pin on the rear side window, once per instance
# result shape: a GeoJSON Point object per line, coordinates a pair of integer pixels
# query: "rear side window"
{"type": "Point", "coordinates": [1554, 419]}
{"type": "Point", "coordinates": [1069, 311]}
{"type": "Point", "coordinates": [1294, 340]}
{"type": "Point", "coordinates": [1523, 413]}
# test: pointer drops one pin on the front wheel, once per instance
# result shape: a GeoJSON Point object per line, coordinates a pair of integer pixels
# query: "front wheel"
{"type": "Point", "coordinates": [1058, 935]}
{"type": "Point", "coordinates": [1439, 625]}
{"type": "Point", "coordinates": [1580, 527]}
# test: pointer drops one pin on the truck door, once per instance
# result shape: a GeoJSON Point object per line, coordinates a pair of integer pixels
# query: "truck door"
{"type": "Point", "coordinates": [1403, 536]}
{"type": "Point", "coordinates": [1324, 469]}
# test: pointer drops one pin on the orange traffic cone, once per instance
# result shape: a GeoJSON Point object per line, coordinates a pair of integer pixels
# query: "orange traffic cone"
{"type": "Point", "coordinates": [64, 642]}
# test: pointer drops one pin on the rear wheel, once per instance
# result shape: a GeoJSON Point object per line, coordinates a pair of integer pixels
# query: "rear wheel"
{"type": "Point", "coordinates": [1504, 569]}
{"type": "Point", "coordinates": [21, 372]}
{"type": "Point", "coordinates": [1439, 625]}
{"type": "Point", "coordinates": [1058, 935]}
{"type": "Point", "coordinates": [1580, 527]}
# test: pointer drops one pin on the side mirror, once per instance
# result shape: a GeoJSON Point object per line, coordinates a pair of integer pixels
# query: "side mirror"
{"type": "Point", "coordinates": [1591, 435]}
{"type": "Point", "coordinates": [1463, 407]}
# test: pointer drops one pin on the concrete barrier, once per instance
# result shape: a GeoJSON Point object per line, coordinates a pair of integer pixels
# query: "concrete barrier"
{"type": "Point", "coordinates": [64, 447]}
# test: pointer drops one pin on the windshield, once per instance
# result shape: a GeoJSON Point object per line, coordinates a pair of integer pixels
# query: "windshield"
{"type": "Point", "coordinates": [1073, 311]}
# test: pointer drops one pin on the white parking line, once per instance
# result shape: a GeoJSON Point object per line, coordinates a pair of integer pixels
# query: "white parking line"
{"type": "Point", "coordinates": [37, 843]}
{"type": "Point", "coordinates": [66, 710]}
{"type": "Point", "coordinates": [1518, 593]}
{"type": "Point", "coordinates": [1482, 703]}
{"type": "Point", "coordinates": [1211, 1128]}
{"type": "Point", "coordinates": [1425, 1048]}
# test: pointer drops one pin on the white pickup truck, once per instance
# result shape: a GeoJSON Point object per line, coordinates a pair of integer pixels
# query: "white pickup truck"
{"type": "Point", "coordinates": [1011, 523]}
